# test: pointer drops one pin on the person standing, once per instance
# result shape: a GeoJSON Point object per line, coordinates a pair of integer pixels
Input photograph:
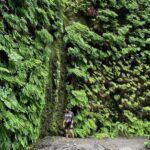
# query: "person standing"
{"type": "Point", "coordinates": [68, 122]}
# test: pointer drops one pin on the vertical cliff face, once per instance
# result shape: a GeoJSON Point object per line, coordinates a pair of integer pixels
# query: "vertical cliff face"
{"type": "Point", "coordinates": [28, 31]}
{"type": "Point", "coordinates": [107, 71]}
{"type": "Point", "coordinates": [92, 56]}
{"type": "Point", "coordinates": [55, 92]}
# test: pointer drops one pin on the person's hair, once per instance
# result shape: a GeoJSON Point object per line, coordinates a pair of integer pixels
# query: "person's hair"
{"type": "Point", "coordinates": [66, 109]}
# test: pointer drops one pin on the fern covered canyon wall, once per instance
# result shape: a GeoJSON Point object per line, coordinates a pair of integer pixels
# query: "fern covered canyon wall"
{"type": "Point", "coordinates": [28, 29]}
{"type": "Point", "coordinates": [92, 56]}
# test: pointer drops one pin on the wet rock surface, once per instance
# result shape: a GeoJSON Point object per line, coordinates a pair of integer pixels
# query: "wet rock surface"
{"type": "Point", "coordinates": [59, 143]}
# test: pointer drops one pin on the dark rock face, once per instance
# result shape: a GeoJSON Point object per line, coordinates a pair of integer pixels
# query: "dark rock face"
{"type": "Point", "coordinates": [58, 143]}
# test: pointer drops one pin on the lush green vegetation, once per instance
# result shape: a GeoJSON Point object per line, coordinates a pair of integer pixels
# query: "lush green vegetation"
{"type": "Point", "coordinates": [98, 50]}
{"type": "Point", "coordinates": [147, 144]}
{"type": "Point", "coordinates": [108, 68]}
{"type": "Point", "coordinates": [27, 30]}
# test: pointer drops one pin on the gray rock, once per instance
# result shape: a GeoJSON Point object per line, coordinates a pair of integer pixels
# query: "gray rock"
{"type": "Point", "coordinates": [125, 148]}
{"type": "Point", "coordinates": [59, 143]}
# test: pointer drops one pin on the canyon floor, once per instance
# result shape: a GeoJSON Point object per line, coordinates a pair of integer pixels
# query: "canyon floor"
{"type": "Point", "coordinates": [59, 143]}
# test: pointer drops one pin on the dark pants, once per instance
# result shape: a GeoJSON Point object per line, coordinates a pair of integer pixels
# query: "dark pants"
{"type": "Point", "coordinates": [68, 125]}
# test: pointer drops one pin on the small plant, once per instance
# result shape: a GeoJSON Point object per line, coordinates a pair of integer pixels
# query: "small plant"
{"type": "Point", "coordinates": [102, 135]}
{"type": "Point", "coordinates": [147, 144]}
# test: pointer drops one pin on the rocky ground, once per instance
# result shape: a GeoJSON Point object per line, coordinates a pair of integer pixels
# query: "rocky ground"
{"type": "Point", "coordinates": [59, 143]}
